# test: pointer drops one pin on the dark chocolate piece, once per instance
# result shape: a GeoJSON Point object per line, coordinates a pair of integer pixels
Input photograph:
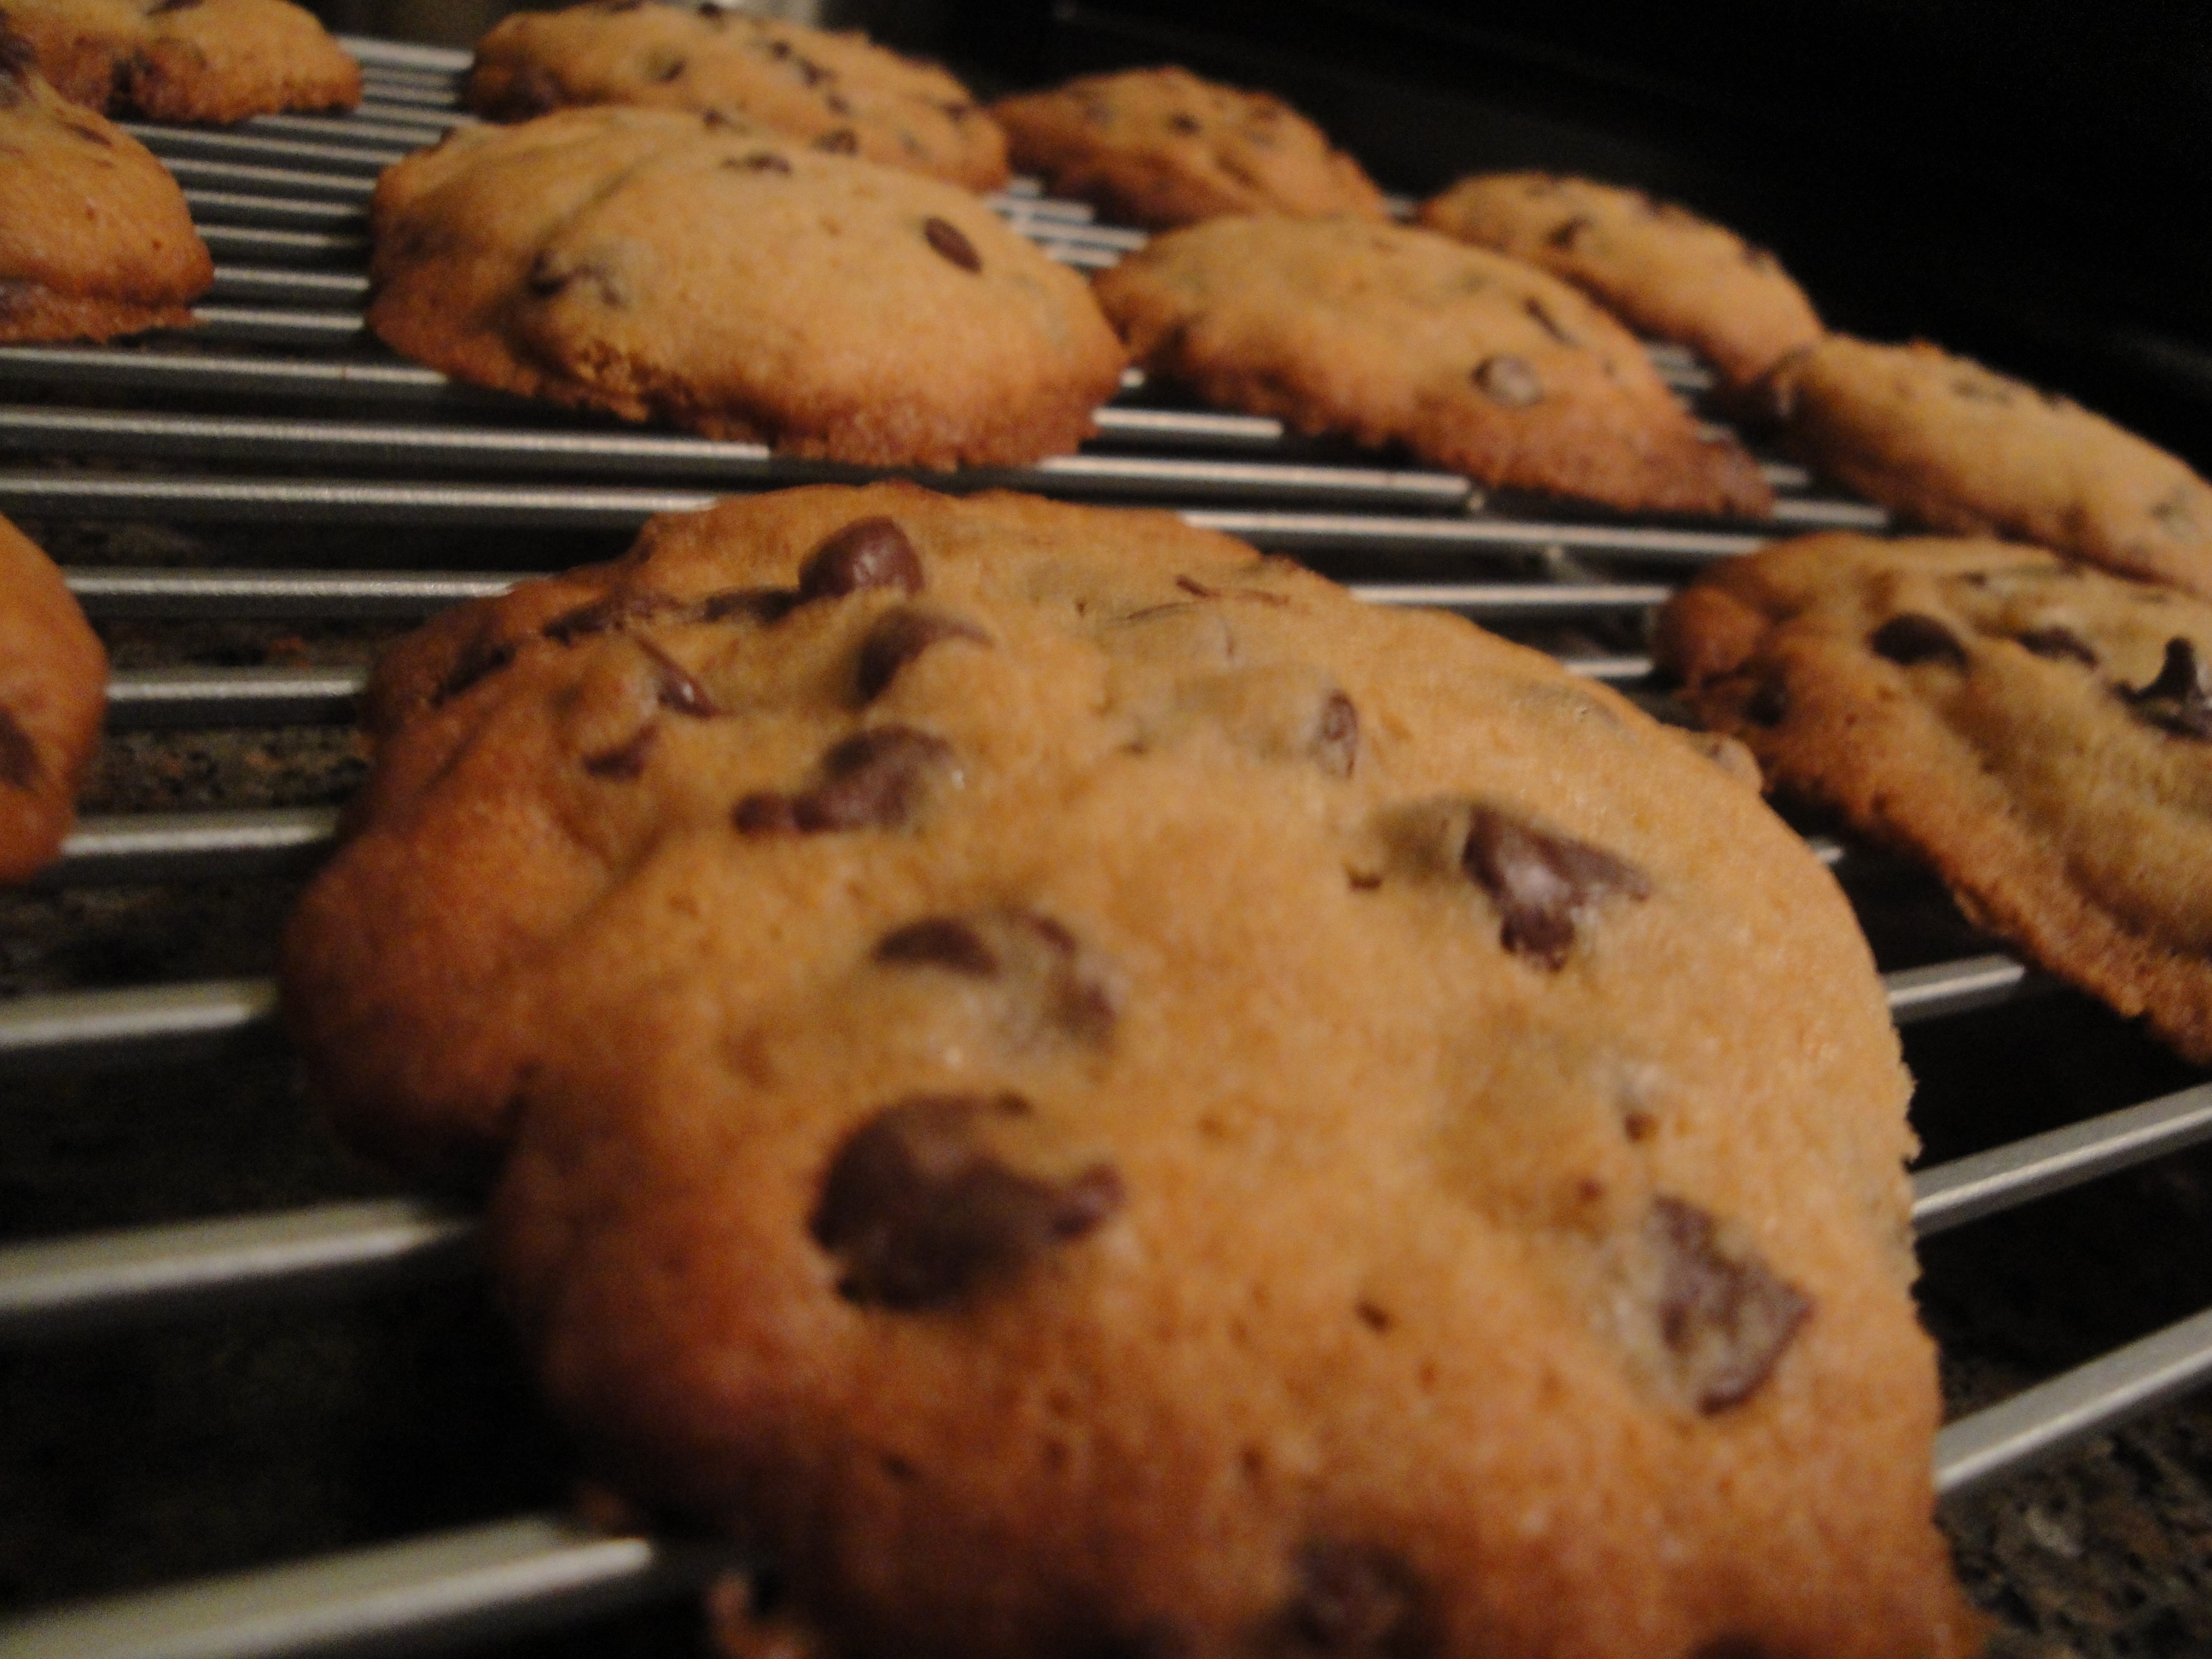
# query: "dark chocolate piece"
{"type": "Point", "coordinates": [897, 637]}
{"type": "Point", "coordinates": [1725, 1316]}
{"type": "Point", "coordinates": [866, 553]}
{"type": "Point", "coordinates": [1541, 882]}
{"type": "Point", "coordinates": [1914, 637]}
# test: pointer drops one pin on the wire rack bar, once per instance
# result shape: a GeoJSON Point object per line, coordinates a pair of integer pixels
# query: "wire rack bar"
{"type": "Point", "coordinates": [1954, 988]}
{"type": "Point", "coordinates": [141, 698]}
{"type": "Point", "coordinates": [276, 284]}
{"type": "Point", "coordinates": [350, 190]}
{"type": "Point", "coordinates": [305, 246]}
{"type": "Point", "coordinates": [2046, 1419]}
{"type": "Point", "coordinates": [280, 325]}
{"type": "Point", "coordinates": [408, 129]}
{"type": "Point", "coordinates": [181, 595]}
{"type": "Point", "coordinates": [185, 846]}
{"type": "Point", "coordinates": [228, 146]}
{"type": "Point", "coordinates": [1967, 1189]}
{"type": "Point", "coordinates": [507, 1578]}
{"type": "Point", "coordinates": [68, 1286]}
{"type": "Point", "coordinates": [144, 1025]}
{"type": "Point", "coordinates": [377, 55]}
{"type": "Point", "coordinates": [224, 207]}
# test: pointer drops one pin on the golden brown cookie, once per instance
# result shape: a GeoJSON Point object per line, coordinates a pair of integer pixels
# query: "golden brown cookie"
{"type": "Point", "coordinates": [833, 91]}
{"type": "Point", "coordinates": [1958, 448]}
{"type": "Point", "coordinates": [1161, 147]}
{"type": "Point", "coordinates": [187, 60]}
{"type": "Point", "coordinates": [2039, 732]}
{"type": "Point", "coordinates": [1475, 362]}
{"type": "Point", "coordinates": [1087, 1093]}
{"type": "Point", "coordinates": [95, 239]}
{"type": "Point", "coordinates": [53, 689]}
{"type": "Point", "coordinates": [1657, 266]}
{"type": "Point", "coordinates": [672, 265]}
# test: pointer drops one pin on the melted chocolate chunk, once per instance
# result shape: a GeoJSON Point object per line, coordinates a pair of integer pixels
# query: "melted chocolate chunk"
{"type": "Point", "coordinates": [1508, 382]}
{"type": "Point", "coordinates": [606, 615]}
{"type": "Point", "coordinates": [843, 142]}
{"type": "Point", "coordinates": [898, 636]}
{"type": "Point", "coordinates": [920, 1214]}
{"type": "Point", "coordinates": [2179, 700]}
{"type": "Point", "coordinates": [482, 659]}
{"type": "Point", "coordinates": [866, 553]}
{"type": "Point", "coordinates": [1541, 882]}
{"type": "Point", "coordinates": [947, 238]}
{"type": "Point", "coordinates": [552, 273]}
{"type": "Point", "coordinates": [1336, 735]}
{"type": "Point", "coordinates": [530, 92]}
{"type": "Point", "coordinates": [1768, 705]}
{"type": "Point", "coordinates": [1568, 232]}
{"type": "Point", "coordinates": [760, 604]}
{"type": "Point", "coordinates": [760, 161]}
{"type": "Point", "coordinates": [2058, 643]}
{"type": "Point", "coordinates": [1912, 637]}
{"type": "Point", "coordinates": [674, 688]}
{"type": "Point", "coordinates": [19, 759]}
{"type": "Point", "coordinates": [1054, 984]}
{"type": "Point", "coordinates": [943, 942]}
{"type": "Point", "coordinates": [1360, 1600]}
{"type": "Point", "coordinates": [625, 760]}
{"type": "Point", "coordinates": [1725, 1316]}
{"type": "Point", "coordinates": [872, 780]}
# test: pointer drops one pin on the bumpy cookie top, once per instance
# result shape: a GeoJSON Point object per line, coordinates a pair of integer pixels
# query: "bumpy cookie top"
{"type": "Point", "coordinates": [1660, 266]}
{"type": "Point", "coordinates": [2042, 733]}
{"type": "Point", "coordinates": [655, 263]}
{"type": "Point", "coordinates": [1477, 362]}
{"type": "Point", "coordinates": [837, 92]}
{"type": "Point", "coordinates": [1162, 146]}
{"type": "Point", "coordinates": [187, 60]}
{"type": "Point", "coordinates": [1090, 1094]}
{"type": "Point", "coordinates": [95, 239]}
{"type": "Point", "coordinates": [1959, 448]}
{"type": "Point", "coordinates": [53, 682]}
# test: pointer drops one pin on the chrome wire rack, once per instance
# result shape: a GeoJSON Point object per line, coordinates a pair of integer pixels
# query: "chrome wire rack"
{"type": "Point", "coordinates": [278, 412]}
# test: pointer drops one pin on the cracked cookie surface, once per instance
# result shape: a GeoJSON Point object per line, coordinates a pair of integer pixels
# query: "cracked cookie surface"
{"type": "Point", "coordinates": [1474, 362]}
{"type": "Point", "coordinates": [95, 239]}
{"type": "Point", "coordinates": [663, 265]}
{"type": "Point", "coordinates": [1162, 146]}
{"type": "Point", "coordinates": [833, 91]}
{"type": "Point", "coordinates": [53, 679]}
{"type": "Point", "coordinates": [1087, 1092]}
{"type": "Point", "coordinates": [187, 60]}
{"type": "Point", "coordinates": [1958, 448]}
{"type": "Point", "coordinates": [1659, 267]}
{"type": "Point", "coordinates": [2038, 732]}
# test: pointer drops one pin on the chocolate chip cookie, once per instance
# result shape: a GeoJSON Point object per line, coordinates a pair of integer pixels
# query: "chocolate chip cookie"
{"type": "Point", "coordinates": [53, 686]}
{"type": "Point", "coordinates": [1658, 266]}
{"type": "Point", "coordinates": [1958, 448]}
{"type": "Point", "coordinates": [1475, 362]}
{"type": "Point", "coordinates": [95, 239]}
{"type": "Point", "coordinates": [2039, 732]}
{"type": "Point", "coordinates": [1087, 1093]}
{"type": "Point", "coordinates": [187, 60]}
{"type": "Point", "coordinates": [833, 91]}
{"type": "Point", "coordinates": [1161, 147]}
{"type": "Point", "coordinates": [677, 266]}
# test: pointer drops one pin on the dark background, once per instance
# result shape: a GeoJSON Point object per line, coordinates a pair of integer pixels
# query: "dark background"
{"type": "Point", "coordinates": [2030, 184]}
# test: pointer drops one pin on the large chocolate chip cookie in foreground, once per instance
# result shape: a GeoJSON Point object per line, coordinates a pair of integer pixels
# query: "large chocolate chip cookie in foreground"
{"type": "Point", "coordinates": [1091, 1095]}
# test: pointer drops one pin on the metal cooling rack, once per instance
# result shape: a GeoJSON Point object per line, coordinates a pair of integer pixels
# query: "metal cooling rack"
{"type": "Point", "coordinates": [281, 201]}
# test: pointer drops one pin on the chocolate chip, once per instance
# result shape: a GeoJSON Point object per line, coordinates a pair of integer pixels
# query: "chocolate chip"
{"type": "Point", "coordinates": [759, 162]}
{"type": "Point", "coordinates": [2179, 700]}
{"type": "Point", "coordinates": [161, 6]}
{"type": "Point", "coordinates": [1509, 381]}
{"type": "Point", "coordinates": [90, 134]}
{"type": "Point", "coordinates": [625, 760]}
{"type": "Point", "coordinates": [1360, 1600]}
{"type": "Point", "coordinates": [842, 142]}
{"type": "Point", "coordinates": [1541, 882]}
{"type": "Point", "coordinates": [873, 781]}
{"type": "Point", "coordinates": [898, 636]}
{"type": "Point", "coordinates": [1913, 637]}
{"type": "Point", "coordinates": [1181, 123]}
{"type": "Point", "coordinates": [1724, 1316]}
{"type": "Point", "coordinates": [920, 1214]}
{"type": "Point", "coordinates": [809, 71]}
{"type": "Point", "coordinates": [530, 92]}
{"type": "Point", "coordinates": [18, 56]}
{"type": "Point", "coordinates": [943, 942]}
{"type": "Point", "coordinates": [947, 240]}
{"type": "Point", "coordinates": [1056, 986]}
{"type": "Point", "coordinates": [552, 273]}
{"type": "Point", "coordinates": [604, 615]}
{"type": "Point", "coordinates": [1551, 325]}
{"type": "Point", "coordinates": [760, 604]}
{"type": "Point", "coordinates": [1568, 232]}
{"type": "Point", "coordinates": [1336, 735]}
{"type": "Point", "coordinates": [866, 553]}
{"type": "Point", "coordinates": [1768, 704]}
{"type": "Point", "coordinates": [675, 689]}
{"type": "Point", "coordinates": [2175, 513]}
{"type": "Point", "coordinates": [2059, 642]}
{"type": "Point", "coordinates": [836, 103]}
{"type": "Point", "coordinates": [19, 759]}
{"type": "Point", "coordinates": [663, 67]}
{"type": "Point", "coordinates": [1192, 584]}
{"type": "Point", "coordinates": [482, 659]}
